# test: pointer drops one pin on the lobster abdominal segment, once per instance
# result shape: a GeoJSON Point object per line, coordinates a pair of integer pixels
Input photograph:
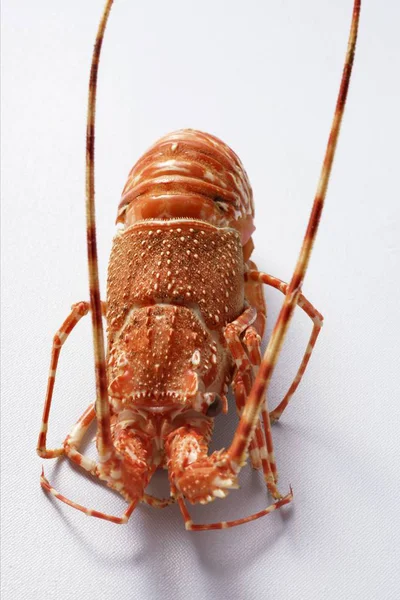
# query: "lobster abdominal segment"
{"type": "Point", "coordinates": [189, 174]}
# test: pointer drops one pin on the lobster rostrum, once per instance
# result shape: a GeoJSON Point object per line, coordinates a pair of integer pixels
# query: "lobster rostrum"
{"type": "Point", "coordinates": [185, 317]}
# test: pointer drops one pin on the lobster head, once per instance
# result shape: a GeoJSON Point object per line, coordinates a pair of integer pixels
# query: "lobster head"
{"type": "Point", "coordinates": [164, 357]}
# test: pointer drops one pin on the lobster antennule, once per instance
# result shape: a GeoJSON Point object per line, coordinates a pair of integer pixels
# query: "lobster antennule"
{"type": "Point", "coordinates": [255, 400]}
{"type": "Point", "coordinates": [104, 442]}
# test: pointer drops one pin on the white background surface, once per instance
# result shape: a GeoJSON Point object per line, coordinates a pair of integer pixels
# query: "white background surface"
{"type": "Point", "coordinates": [263, 77]}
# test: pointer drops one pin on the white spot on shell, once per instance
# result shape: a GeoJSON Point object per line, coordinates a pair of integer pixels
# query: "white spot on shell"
{"type": "Point", "coordinates": [192, 457]}
{"type": "Point", "coordinates": [222, 483]}
{"type": "Point", "coordinates": [196, 358]}
{"type": "Point", "coordinates": [219, 494]}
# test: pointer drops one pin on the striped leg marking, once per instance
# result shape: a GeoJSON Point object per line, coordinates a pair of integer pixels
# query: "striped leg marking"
{"type": "Point", "coordinates": [232, 333]}
{"type": "Point", "coordinates": [74, 439]}
{"type": "Point", "coordinates": [79, 310]}
{"type": "Point", "coordinates": [252, 343]}
{"type": "Point", "coordinates": [317, 320]}
{"type": "Point", "coordinates": [190, 526]}
{"type": "Point", "coordinates": [128, 477]}
{"type": "Point", "coordinates": [87, 511]}
{"type": "Point", "coordinates": [239, 391]}
{"type": "Point", "coordinates": [261, 447]}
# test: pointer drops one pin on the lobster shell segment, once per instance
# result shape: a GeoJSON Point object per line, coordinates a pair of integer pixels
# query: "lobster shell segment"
{"type": "Point", "coordinates": [189, 174]}
{"type": "Point", "coordinates": [184, 263]}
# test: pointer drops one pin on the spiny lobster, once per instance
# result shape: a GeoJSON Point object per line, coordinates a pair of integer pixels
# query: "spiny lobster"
{"type": "Point", "coordinates": [185, 313]}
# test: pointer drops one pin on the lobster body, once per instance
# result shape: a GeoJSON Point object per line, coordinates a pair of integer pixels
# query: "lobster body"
{"type": "Point", "coordinates": [176, 282]}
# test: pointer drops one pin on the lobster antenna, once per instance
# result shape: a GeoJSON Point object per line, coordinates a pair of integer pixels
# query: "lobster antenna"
{"type": "Point", "coordinates": [255, 399]}
{"type": "Point", "coordinates": [104, 441]}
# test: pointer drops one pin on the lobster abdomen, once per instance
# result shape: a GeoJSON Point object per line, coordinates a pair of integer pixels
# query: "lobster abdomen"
{"type": "Point", "coordinates": [189, 174]}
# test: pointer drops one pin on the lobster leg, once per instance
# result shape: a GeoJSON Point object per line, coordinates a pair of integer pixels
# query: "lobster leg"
{"type": "Point", "coordinates": [190, 526]}
{"type": "Point", "coordinates": [71, 443]}
{"type": "Point", "coordinates": [79, 310]}
{"type": "Point", "coordinates": [317, 320]}
{"type": "Point", "coordinates": [258, 449]}
{"type": "Point", "coordinates": [232, 335]}
{"type": "Point", "coordinates": [73, 440]}
{"type": "Point", "coordinates": [239, 391]}
{"type": "Point", "coordinates": [129, 477]}
{"type": "Point", "coordinates": [252, 343]}
{"type": "Point", "coordinates": [242, 385]}
{"type": "Point", "coordinates": [87, 511]}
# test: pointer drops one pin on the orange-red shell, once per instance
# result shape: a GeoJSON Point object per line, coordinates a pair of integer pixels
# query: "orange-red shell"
{"type": "Point", "coordinates": [176, 273]}
{"type": "Point", "coordinates": [172, 288]}
{"type": "Point", "coordinates": [189, 174]}
{"type": "Point", "coordinates": [184, 263]}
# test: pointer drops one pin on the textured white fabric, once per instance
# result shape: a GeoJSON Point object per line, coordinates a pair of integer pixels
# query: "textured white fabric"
{"type": "Point", "coordinates": [263, 76]}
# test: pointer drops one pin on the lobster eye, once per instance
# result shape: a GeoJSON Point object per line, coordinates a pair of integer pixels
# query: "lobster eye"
{"type": "Point", "coordinates": [215, 408]}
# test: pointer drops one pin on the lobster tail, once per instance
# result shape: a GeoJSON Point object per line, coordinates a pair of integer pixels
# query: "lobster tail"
{"type": "Point", "coordinates": [189, 174]}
